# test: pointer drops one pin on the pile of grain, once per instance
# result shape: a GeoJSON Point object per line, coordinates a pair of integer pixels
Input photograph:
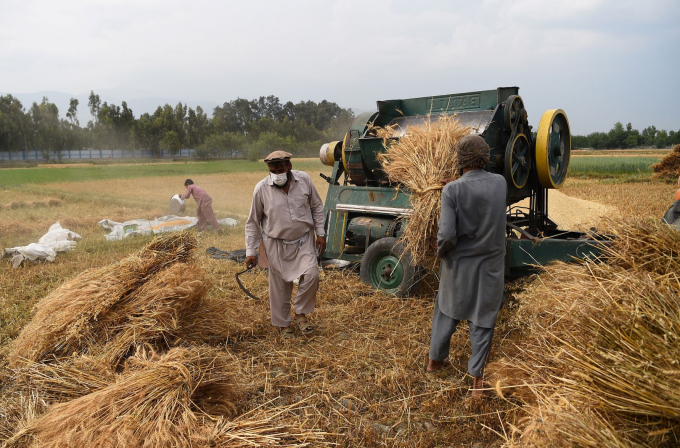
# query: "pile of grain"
{"type": "Point", "coordinates": [601, 346]}
{"type": "Point", "coordinates": [119, 356]}
{"type": "Point", "coordinates": [419, 160]}
{"type": "Point", "coordinates": [669, 166]}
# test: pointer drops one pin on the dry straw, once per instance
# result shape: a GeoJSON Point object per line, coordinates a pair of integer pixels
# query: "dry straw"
{"type": "Point", "coordinates": [602, 351]}
{"type": "Point", "coordinates": [113, 302]}
{"type": "Point", "coordinates": [160, 400]}
{"type": "Point", "coordinates": [419, 160]}
{"type": "Point", "coordinates": [669, 166]}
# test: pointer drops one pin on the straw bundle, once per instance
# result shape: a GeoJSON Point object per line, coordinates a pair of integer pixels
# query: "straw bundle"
{"type": "Point", "coordinates": [419, 160]}
{"type": "Point", "coordinates": [83, 310]}
{"type": "Point", "coordinates": [603, 345]}
{"type": "Point", "coordinates": [159, 401]}
{"type": "Point", "coordinates": [669, 166]}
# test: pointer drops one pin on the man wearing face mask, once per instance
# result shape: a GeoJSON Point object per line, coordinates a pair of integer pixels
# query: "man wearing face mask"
{"type": "Point", "coordinates": [286, 218]}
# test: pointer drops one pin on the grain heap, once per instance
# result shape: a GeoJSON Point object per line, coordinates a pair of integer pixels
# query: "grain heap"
{"type": "Point", "coordinates": [602, 345]}
{"type": "Point", "coordinates": [669, 166]}
{"type": "Point", "coordinates": [419, 160]}
{"type": "Point", "coordinates": [118, 356]}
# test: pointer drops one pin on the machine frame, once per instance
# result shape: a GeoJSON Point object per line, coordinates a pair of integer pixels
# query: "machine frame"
{"type": "Point", "coordinates": [363, 207]}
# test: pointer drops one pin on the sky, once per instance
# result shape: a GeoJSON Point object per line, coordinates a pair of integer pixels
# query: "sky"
{"type": "Point", "coordinates": [601, 61]}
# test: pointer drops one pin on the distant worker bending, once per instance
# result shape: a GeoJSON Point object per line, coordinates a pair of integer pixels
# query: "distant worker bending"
{"type": "Point", "coordinates": [204, 211]}
{"type": "Point", "coordinates": [471, 245]}
{"type": "Point", "coordinates": [286, 226]}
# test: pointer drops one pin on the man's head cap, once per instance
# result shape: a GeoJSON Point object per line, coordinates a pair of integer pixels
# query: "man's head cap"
{"type": "Point", "coordinates": [278, 156]}
{"type": "Point", "coordinates": [470, 149]}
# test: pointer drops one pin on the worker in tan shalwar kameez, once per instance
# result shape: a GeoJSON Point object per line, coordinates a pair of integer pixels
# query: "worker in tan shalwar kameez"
{"type": "Point", "coordinates": [287, 217]}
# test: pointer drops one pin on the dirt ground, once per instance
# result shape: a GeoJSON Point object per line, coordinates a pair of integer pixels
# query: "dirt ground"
{"type": "Point", "coordinates": [360, 377]}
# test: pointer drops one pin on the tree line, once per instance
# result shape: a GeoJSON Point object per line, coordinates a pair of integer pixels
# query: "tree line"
{"type": "Point", "coordinates": [240, 127]}
{"type": "Point", "coordinates": [620, 137]}
{"type": "Point", "coordinates": [237, 128]}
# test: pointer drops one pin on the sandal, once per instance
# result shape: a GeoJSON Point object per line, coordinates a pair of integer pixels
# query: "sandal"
{"type": "Point", "coordinates": [304, 325]}
{"type": "Point", "coordinates": [287, 332]}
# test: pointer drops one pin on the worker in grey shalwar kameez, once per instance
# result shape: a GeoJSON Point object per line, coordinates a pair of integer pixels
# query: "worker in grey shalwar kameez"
{"type": "Point", "coordinates": [285, 226]}
{"type": "Point", "coordinates": [471, 245]}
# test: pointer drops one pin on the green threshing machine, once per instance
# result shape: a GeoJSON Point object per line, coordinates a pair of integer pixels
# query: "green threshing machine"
{"type": "Point", "coordinates": [365, 213]}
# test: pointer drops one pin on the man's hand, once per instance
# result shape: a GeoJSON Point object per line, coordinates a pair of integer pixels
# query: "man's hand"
{"type": "Point", "coordinates": [321, 244]}
{"type": "Point", "coordinates": [445, 181]}
{"type": "Point", "coordinates": [251, 261]}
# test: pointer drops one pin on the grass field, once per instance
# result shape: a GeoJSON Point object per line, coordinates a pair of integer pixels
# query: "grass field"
{"type": "Point", "coordinates": [362, 373]}
{"type": "Point", "coordinates": [629, 167]}
{"type": "Point", "coordinates": [84, 172]}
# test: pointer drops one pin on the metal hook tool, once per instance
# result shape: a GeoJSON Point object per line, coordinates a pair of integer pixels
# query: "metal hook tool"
{"type": "Point", "coordinates": [243, 288]}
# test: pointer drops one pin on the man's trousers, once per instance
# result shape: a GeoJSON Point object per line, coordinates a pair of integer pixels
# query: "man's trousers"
{"type": "Point", "coordinates": [280, 292]}
{"type": "Point", "coordinates": [443, 328]}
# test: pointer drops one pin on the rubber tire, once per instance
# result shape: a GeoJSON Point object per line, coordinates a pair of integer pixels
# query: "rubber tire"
{"type": "Point", "coordinates": [390, 246]}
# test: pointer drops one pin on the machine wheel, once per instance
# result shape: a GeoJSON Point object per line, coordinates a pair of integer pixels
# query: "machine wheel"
{"type": "Point", "coordinates": [518, 161]}
{"type": "Point", "coordinates": [386, 266]}
{"type": "Point", "coordinates": [511, 113]}
{"type": "Point", "coordinates": [553, 147]}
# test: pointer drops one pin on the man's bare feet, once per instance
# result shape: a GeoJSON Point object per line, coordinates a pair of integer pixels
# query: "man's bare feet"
{"type": "Point", "coordinates": [433, 366]}
{"type": "Point", "coordinates": [478, 387]}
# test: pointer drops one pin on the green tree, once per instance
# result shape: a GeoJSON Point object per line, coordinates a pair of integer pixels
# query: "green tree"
{"type": "Point", "coordinates": [47, 129]}
{"type": "Point", "coordinates": [94, 103]}
{"type": "Point", "coordinates": [72, 113]}
{"type": "Point", "coordinates": [171, 142]}
{"type": "Point", "coordinates": [15, 125]}
{"type": "Point", "coordinates": [661, 139]}
{"type": "Point", "coordinates": [221, 145]}
{"type": "Point", "coordinates": [198, 127]}
{"type": "Point", "coordinates": [648, 135]}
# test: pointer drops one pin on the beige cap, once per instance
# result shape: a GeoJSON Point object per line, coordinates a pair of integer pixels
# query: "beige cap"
{"type": "Point", "coordinates": [277, 156]}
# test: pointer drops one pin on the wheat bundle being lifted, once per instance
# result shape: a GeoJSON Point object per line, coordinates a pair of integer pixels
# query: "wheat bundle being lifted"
{"type": "Point", "coordinates": [419, 160]}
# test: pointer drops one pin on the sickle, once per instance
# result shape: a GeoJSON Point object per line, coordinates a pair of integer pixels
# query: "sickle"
{"type": "Point", "coordinates": [248, 293]}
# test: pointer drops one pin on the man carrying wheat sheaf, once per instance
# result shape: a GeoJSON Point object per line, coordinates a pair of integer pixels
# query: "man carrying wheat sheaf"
{"type": "Point", "coordinates": [471, 245]}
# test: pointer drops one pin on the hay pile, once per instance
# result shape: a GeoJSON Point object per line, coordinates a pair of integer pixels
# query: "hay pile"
{"type": "Point", "coordinates": [117, 302]}
{"type": "Point", "coordinates": [118, 356]}
{"type": "Point", "coordinates": [669, 166]}
{"type": "Point", "coordinates": [601, 353]}
{"type": "Point", "coordinates": [157, 401]}
{"type": "Point", "coordinates": [419, 160]}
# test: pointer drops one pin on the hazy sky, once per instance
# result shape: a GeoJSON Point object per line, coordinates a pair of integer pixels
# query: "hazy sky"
{"type": "Point", "coordinates": [601, 61]}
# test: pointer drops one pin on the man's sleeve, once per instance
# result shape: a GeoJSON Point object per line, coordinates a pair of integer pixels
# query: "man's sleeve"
{"type": "Point", "coordinates": [253, 232]}
{"type": "Point", "coordinates": [446, 236]}
{"type": "Point", "coordinates": [316, 204]}
{"type": "Point", "coordinates": [187, 193]}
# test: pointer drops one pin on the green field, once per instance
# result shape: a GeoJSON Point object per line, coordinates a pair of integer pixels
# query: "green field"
{"type": "Point", "coordinates": [22, 176]}
{"type": "Point", "coordinates": [612, 166]}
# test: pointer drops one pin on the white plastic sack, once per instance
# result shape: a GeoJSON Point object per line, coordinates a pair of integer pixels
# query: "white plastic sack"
{"type": "Point", "coordinates": [169, 223]}
{"type": "Point", "coordinates": [57, 239]}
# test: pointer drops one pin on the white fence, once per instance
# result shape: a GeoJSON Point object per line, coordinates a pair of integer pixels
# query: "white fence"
{"type": "Point", "coordinates": [90, 154]}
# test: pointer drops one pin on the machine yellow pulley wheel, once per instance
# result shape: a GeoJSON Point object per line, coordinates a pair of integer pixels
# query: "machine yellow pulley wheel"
{"type": "Point", "coordinates": [553, 148]}
{"type": "Point", "coordinates": [347, 143]}
{"type": "Point", "coordinates": [518, 161]}
{"type": "Point", "coordinates": [329, 151]}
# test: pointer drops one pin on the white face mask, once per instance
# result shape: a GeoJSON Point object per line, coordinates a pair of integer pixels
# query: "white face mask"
{"type": "Point", "coordinates": [279, 179]}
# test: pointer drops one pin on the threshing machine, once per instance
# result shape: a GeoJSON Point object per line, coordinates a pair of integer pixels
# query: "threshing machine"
{"type": "Point", "coordinates": [365, 213]}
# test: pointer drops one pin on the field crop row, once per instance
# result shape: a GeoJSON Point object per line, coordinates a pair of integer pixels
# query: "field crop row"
{"type": "Point", "coordinates": [23, 176]}
{"type": "Point", "coordinates": [613, 166]}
